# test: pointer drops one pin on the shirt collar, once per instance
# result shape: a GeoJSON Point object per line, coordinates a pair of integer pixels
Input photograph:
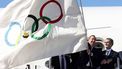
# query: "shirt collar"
{"type": "Point", "coordinates": [107, 49]}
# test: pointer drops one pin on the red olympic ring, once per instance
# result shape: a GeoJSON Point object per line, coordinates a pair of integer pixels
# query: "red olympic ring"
{"type": "Point", "coordinates": [52, 21]}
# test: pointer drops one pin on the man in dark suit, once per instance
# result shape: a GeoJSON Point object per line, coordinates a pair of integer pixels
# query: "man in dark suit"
{"type": "Point", "coordinates": [109, 56]}
{"type": "Point", "coordinates": [95, 52]}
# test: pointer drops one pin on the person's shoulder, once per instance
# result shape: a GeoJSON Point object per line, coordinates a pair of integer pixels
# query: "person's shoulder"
{"type": "Point", "coordinates": [120, 55]}
{"type": "Point", "coordinates": [114, 52]}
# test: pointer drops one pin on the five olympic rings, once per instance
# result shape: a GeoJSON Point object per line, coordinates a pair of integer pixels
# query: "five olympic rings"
{"type": "Point", "coordinates": [35, 25]}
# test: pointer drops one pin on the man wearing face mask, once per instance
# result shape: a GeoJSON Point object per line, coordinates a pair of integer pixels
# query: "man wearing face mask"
{"type": "Point", "coordinates": [109, 56]}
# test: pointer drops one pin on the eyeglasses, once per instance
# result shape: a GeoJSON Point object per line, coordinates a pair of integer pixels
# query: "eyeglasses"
{"type": "Point", "coordinates": [106, 42]}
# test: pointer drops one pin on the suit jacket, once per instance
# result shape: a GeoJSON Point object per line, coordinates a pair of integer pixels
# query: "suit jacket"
{"type": "Point", "coordinates": [79, 60]}
{"type": "Point", "coordinates": [113, 56]}
{"type": "Point", "coordinates": [95, 56]}
{"type": "Point", "coordinates": [120, 57]}
{"type": "Point", "coordinates": [55, 62]}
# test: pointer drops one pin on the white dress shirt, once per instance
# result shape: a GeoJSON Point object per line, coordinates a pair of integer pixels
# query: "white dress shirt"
{"type": "Point", "coordinates": [108, 51]}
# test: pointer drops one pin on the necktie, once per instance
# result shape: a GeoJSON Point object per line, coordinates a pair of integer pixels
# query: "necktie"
{"type": "Point", "coordinates": [107, 53]}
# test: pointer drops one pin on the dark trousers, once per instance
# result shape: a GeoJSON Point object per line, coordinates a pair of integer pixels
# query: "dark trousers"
{"type": "Point", "coordinates": [79, 60]}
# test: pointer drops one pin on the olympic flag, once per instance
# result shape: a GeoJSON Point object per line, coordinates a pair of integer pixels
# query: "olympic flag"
{"type": "Point", "coordinates": [51, 27]}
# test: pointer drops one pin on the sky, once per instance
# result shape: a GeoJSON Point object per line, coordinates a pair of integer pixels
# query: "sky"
{"type": "Point", "coordinates": [92, 3]}
{"type": "Point", "coordinates": [3, 3]}
{"type": "Point", "coordinates": [85, 3]}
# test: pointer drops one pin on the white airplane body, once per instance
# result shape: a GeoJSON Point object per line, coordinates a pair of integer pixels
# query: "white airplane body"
{"type": "Point", "coordinates": [105, 22]}
{"type": "Point", "coordinates": [100, 21]}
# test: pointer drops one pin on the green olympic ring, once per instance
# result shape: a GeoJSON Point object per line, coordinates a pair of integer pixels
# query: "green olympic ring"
{"type": "Point", "coordinates": [45, 32]}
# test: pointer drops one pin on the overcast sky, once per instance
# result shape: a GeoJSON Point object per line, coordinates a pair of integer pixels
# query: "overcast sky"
{"type": "Point", "coordinates": [88, 3]}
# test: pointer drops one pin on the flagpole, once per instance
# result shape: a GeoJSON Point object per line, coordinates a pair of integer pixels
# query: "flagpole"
{"type": "Point", "coordinates": [81, 10]}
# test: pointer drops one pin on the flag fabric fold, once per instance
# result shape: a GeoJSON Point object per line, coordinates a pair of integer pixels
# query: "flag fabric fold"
{"type": "Point", "coordinates": [58, 28]}
{"type": "Point", "coordinates": [17, 10]}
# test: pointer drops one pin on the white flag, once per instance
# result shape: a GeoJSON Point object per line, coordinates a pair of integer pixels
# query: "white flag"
{"type": "Point", "coordinates": [55, 27]}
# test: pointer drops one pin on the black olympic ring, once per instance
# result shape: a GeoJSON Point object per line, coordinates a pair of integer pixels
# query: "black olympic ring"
{"type": "Point", "coordinates": [36, 25]}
